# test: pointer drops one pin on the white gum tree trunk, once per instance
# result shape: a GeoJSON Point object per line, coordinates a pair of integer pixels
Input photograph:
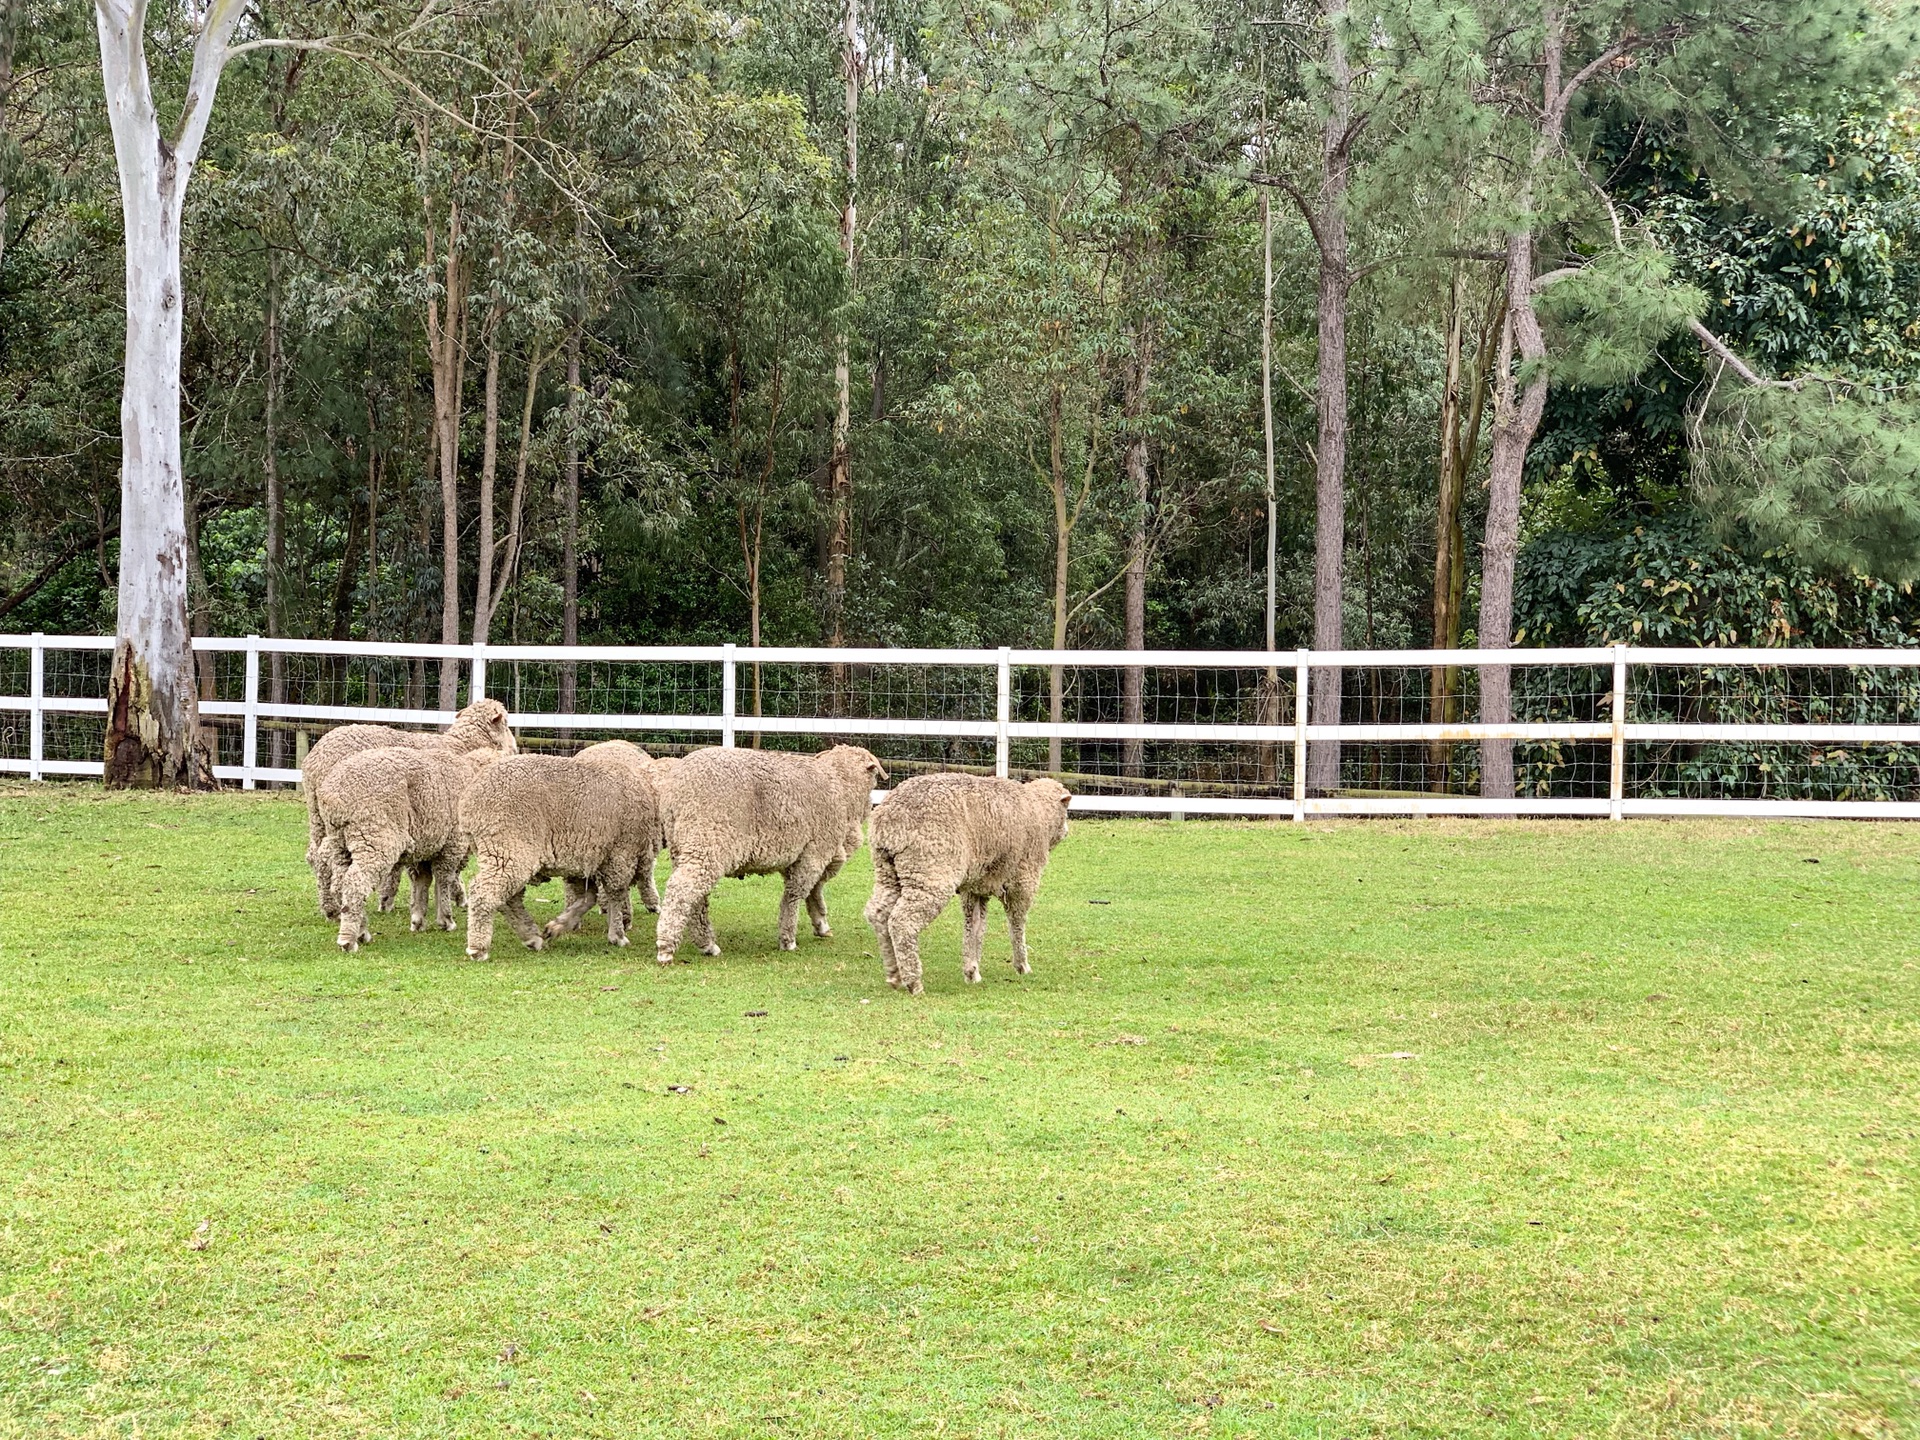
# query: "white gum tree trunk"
{"type": "Point", "coordinates": [153, 712]}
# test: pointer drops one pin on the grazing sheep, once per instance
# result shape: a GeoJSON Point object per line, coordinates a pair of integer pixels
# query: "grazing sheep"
{"type": "Point", "coordinates": [383, 808]}
{"type": "Point", "coordinates": [651, 772]}
{"type": "Point", "coordinates": [759, 812]}
{"type": "Point", "coordinates": [941, 835]}
{"type": "Point", "coordinates": [481, 726]}
{"type": "Point", "coordinates": [540, 815]}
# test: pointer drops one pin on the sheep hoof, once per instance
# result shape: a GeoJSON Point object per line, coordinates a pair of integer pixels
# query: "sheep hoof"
{"type": "Point", "coordinates": [916, 989]}
{"type": "Point", "coordinates": [1023, 968]}
{"type": "Point", "coordinates": [473, 954]}
{"type": "Point", "coordinates": [623, 942]}
{"type": "Point", "coordinates": [416, 926]}
{"type": "Point", "coordinates": [652, 907]}
{"type": "Point", "coordinates": [349, 946]}
{"type": "Point", "coordinates": [538, 942]}
{"type": "Point", "coordinates": [789, 944]}
{"type": "Point", "coordinates": [447, 925]}
{"type": "Point", "coordinates": [715, 949]}
{"type": "Point", "coordinates": [665, 957]}
{"type": "Point", "coordinates": [386, 904]}
{"type": "Point", "coordinates": [973, 977]}
{"type": "Point", "coordinates": [823, 930]}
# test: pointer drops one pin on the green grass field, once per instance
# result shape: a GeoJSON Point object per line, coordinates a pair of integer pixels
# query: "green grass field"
{"type": "Point", "coordinates": [1371, 1129]}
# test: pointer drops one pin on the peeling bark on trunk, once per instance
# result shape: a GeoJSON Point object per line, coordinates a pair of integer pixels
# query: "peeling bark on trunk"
{"type": "Point", "coordinates": [153, 719]}
{"type": "Point", "coordinates": [448, 357]}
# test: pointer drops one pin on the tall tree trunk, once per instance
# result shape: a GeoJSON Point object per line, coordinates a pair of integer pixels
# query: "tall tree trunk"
{"type": "Point", "coordinates": [489, 470]}
{"type": "Point", "coordinates": [840, 465]}
{"type": "Point", "coordinates": [1268, 768]}
{"type": "Point", "coordinates": [1462, 408]}
{"type": "Point", "coordinates": [1443, 681]}
{"type": "Point", "coordinates": [276, 577]}
{"type": "Point", "coordinates": [1516, 418]}
{"type": "Point", "coordinates": [153, 715]}
{"type": "Point", "coordinates": [1516, 414]}
{"type": "Point", "coordinates": [510, 543]}
{"type": "Point", "coordinates": [448, 356]}
{"type": "Point", "coordinates": [1330, 402]}
{"type": "Point", "coordinates": [1133, 677]}
{"type": "Point", "coordinates": [1062, 563]}
{"type": "Point", "coordinates": [570, 539]}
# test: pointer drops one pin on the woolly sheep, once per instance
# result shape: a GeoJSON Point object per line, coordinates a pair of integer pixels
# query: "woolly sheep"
{"type": "Point", "coordinates": [653, 770]}
{"type": "Point", "coordinates": [382, 808]}
{"type": "Point", "coordinates": [481, 726]}
{"type": "Point", "coordinates": [941, 835]}
{"type": "Point", "coordinates": [539, 815]}
{"type": "Point", "coordinates": [758, 812]}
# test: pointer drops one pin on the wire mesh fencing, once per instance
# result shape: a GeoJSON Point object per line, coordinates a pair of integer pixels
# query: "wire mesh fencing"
{"type": "Point", "coordinates": [1601, 730]}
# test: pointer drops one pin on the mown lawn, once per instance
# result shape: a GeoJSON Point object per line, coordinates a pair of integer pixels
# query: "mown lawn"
{"type": "Point", "coordinates": [1398, 1129]}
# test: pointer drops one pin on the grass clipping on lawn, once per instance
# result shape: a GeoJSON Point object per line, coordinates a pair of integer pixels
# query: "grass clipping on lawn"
{"type": "Point", "coordinates": [1400, 1129]}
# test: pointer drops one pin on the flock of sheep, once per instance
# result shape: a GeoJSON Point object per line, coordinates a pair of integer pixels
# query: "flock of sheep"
{"type": "Point", "coordinates": [380, 800]}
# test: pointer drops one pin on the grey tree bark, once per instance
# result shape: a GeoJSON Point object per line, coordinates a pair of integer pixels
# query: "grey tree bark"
{"type": "Point", "coordinates": [153, 716]}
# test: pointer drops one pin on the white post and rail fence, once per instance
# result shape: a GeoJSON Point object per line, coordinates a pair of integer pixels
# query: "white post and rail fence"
{"type": "Point", "coordinates": [1605, 731]}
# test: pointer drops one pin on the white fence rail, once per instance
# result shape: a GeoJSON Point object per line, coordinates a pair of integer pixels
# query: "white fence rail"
{"type": "Point", "coordinates": [1605, 730]}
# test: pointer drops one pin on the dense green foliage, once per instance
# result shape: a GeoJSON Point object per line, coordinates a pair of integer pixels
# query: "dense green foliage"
{"type": "Point", "coordinates": [1053, 199]}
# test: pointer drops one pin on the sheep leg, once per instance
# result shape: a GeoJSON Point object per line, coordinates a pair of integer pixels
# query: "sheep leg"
{"type": "Point", "coordinates": [389, 888]}
{"type": "Point", "coordinates": [701, 923]}
{"type": "Point", "coordinates": [492, 890]}
{"type": "Point", "coordinates": [368, 867]}
{"type": "Point", "coordinates": [684, 899]}
{"type": "Point", "coordinates": [320, 861]}
{"type": "Point", "coordinates": [886, 894]}
{"type": "Point", "coordinates": [915, 910]}
{"type": "Point", "coordinates": [444, 875]}
{"type": "Point", "coordinates": [973, 911]}
{"type": "Point", "coordinates": [649, 895]}
{"type": "Point", "coordinates": [580, 899]}
{"type": "Point", "coordinates": [420, 877]}
{"type": "Point", "coordinates": [801, 882]}
{"type": "Point", "coordinates": [1018, 902]}
{"type": "Point", "coordinates": [615, 884]}
{"type": "Point", "coordinates": [817, 901]}
{"type": "Point", "coordinates": [514, 907]}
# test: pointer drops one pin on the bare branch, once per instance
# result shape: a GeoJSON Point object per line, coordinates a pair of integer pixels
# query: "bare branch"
{"type": "Point", "coordinates": [1733, 362]}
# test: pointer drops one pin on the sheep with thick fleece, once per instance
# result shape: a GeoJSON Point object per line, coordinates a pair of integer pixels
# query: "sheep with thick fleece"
{"type": "Point", "coordinates": [733, 812]}
{"type": "Point", "coordinates": [481, 726]}
{"type": "Point", "coordinates": [383, 808]}
{"type": "Point", "coordinates": [651, 771]}
{"type": "Point", "coordinates": [971, 835]}
{"type": "Point", "coordinates": [538, 815]}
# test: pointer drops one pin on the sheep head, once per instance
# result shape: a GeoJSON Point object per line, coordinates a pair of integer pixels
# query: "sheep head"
{"type": "Point", "coordinates": [1051, 799]}
{"type": "Point", "coordinates": [483, 726]}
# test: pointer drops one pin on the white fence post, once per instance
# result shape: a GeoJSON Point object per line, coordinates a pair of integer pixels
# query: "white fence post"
{"type": "Point", "coordinates": [1300, 736]}
{"type": "Point", "coordinates": [477, 687]}
{"type": "Point", "coordinates": [37, 716]}
{"type": "Point", "coordinates": [1002, 711]}
{"type": "Point", "coordinates": [729, 704]}
{"type": "Point", "coordinates": [250, 730]}
{"type": "Point", "coordinates": [1617, 784]}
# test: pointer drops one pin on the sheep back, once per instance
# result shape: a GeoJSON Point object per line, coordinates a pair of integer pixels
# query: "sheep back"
{"type": "Point", "coordinates": [543, 813]}
{"type": "Point", "coordinates": [755, 812]}
{"type": "Point", "coordinates": [979, 833]}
